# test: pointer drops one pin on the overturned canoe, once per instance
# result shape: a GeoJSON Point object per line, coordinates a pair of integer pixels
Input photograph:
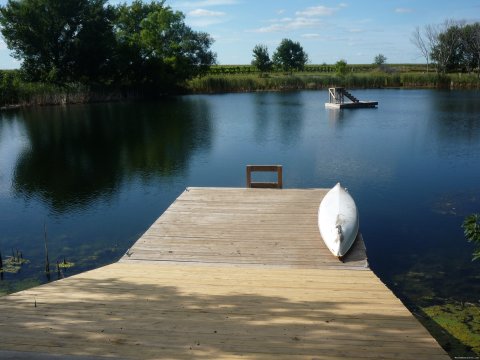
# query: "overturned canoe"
{"type": "Point", "coordinates": [338, 220]}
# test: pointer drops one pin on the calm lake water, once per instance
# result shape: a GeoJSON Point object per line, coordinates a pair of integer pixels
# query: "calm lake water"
{"type": "Point", "coordinates": [98, 175]}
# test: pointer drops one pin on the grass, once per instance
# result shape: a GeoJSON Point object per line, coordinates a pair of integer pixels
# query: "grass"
{"type": "Point", "coordinates": [14, 91]}
{"type": "Point", "coordinates": [309, 80]}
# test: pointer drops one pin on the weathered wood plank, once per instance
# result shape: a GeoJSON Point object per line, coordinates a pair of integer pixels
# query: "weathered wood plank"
{"type": "Point", "coordinates": [222, 274]}
{"type": "Point", "coordinates": [268, 227]}
{"type": "Point", "coordinates": [143, 310]}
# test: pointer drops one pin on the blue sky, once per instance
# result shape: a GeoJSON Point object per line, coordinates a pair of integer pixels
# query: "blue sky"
{"type": "Point", "coordinates": [328, 30]}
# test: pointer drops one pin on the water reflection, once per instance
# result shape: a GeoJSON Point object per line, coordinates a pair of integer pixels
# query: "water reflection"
{"type": "Point", "coordinates": [465, 102]}
{"type": "Point", "coordinates": [335, 116]}
{"type": "Point", "coordinates": [79, 153]}
{"type": "Point", "coordinates": [280, 115]}
{"type": "Point", "coordinates": [262, 115]}
{"type": "Point", "coordinates": [290, 117]}
{"type": "Point", "coordinates": [456, 116]}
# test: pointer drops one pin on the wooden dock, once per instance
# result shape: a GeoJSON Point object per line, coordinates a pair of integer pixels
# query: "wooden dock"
{"type": "Point", "coordinates": [222, 274]}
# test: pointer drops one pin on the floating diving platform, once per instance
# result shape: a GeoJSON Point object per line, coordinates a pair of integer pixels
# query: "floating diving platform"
{"type": "Point", "coordinates": [224, 273]}
{"type": "Point", "coordinates": [336, 100]}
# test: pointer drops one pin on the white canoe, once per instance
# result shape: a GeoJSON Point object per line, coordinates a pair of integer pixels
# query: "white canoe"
{"type": "Point", "coordinates": [338, 220]}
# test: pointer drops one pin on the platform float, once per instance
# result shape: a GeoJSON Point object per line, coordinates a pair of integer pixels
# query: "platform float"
{"type": "Point", "coordinates": [336, 100]}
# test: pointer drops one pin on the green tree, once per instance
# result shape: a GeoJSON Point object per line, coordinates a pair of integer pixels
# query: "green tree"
{"type": "Point", "coordinates": [452, 45]}
{"type": "Point", "coordinates": [156, 48]}
{"type": "Point", "coordinates": [8, 87]}
{"type": "Point", "coordinates": [446, 51]}
{"type": "Point", "coordinates": [137, 45]}
{"type": "Point", "coordinates": [59, 41]}
{"type": "Point", "coordinates": [470, 40]}
{"type": "Point", "coordinates": [471, 228]}
{"type": "Point", "coordinates": [341, 67]}
{"type": "Point", "coordinates": [290, 56]}
{"type": "Point", "coordinates": [261, 59]}
{"type": "Point", "coordinates": [380, 60]}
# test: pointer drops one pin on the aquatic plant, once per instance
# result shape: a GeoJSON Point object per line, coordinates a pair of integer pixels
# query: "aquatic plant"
{"type": "Point", "coordinates": [461, 320]}
{"type": "Point", "coordinates": [13, 264]}
{"type": "Point", "coordinates": [471, 229]}
{"type": "Point", "coordinates": [65, 264]}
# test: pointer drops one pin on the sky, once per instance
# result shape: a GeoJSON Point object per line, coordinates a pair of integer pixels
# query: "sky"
{"type": "Point", "coordinates": [353, 30]}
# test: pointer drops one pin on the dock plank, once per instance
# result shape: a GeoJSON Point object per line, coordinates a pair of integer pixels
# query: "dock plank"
{"type": "Point", "coordinates": [267, 227]}
{"type": "Point", "coordinates": [152, 311]}
{"type": "Point", "coordinates": [222, 274]}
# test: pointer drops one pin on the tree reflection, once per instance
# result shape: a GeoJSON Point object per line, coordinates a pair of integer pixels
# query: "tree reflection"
{"type": "Point", "coordinates": [454, 116]}
{"type": "Point", "coordinates": [290, 116]}
{"type": "Point", "coordinates": [80, 153]}
{"type": "Point", "coordinates": [287, 123]}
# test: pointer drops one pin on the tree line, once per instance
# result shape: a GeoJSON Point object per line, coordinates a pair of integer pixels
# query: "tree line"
{"type": "Point", "coordinates": [452, 45]}
{"type": "Point", "coordinates": [288, 56]}
{"type": "Point", "coordinates": [141, 45]}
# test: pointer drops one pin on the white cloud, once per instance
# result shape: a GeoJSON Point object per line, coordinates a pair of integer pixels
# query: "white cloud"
{"type": "Point", "coordinates": [205, 21]}
{"type": "Point", "coordinates": [268, 29]}
{"type": "Point", "coordinates": [198, 16]}
{"type": "Point", "coordinates": [308, 18]}
{"type": "Point", "coordinates": [403, 10]}
{"type": "Point", "coordinates": [282, 20]}
{"type": "Point", "coordinates": [205, 13]}
{"type": "Point", "coordinates": [287, 24]}
{"type": "Point", "coordinates": [311, 36]}
{"type": "Point", "coordinates": [317, 11]}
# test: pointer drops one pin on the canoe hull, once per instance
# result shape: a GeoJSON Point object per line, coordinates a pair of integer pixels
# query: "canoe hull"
{"type": "Point", "coordinates": [338, 220]}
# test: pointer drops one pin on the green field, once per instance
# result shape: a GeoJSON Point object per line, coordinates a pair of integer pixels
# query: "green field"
{"type": "Point", "coordinates": [321, 69]}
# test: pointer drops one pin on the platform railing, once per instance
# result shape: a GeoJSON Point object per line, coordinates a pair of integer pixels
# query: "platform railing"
{"type": "Point", "coordinates": [265, 168]}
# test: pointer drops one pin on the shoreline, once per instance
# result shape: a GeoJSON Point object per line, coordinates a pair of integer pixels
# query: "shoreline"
{"type": "Point", "coordinates": [38, 94]}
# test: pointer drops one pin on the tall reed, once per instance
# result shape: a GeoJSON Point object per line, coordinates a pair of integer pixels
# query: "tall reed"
{"type": "Point", "coordinates": [243, 83]}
